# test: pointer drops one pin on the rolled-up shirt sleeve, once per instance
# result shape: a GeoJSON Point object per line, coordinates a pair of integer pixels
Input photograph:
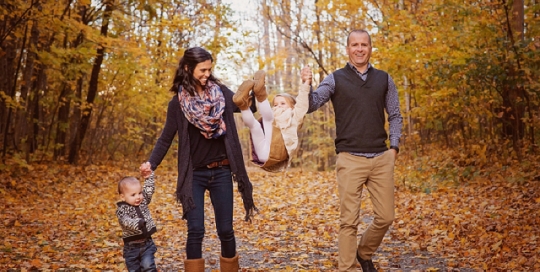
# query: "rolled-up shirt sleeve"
{"type": "Point", "coordinates": [322, 94]}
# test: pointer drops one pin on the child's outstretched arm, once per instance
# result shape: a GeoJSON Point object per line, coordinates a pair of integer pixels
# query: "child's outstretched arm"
{"type": "Point", "coordinates": [149, 187]}
{"type": "Point", "coordinates": [302, 100]}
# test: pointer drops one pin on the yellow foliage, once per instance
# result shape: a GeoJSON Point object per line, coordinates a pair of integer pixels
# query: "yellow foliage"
{"type": "Point", "coordinates": [50, 214]}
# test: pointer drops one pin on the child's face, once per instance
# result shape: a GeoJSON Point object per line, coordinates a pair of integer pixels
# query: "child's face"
{"type": "Point", "coordinates": [281, 102]}
{"type": "Point", "coordinates": [132, 194]}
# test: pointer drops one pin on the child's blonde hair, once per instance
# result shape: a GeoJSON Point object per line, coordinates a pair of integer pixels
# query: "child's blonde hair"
{"type": "Point", "coordinates": [289, 98]}
{"type": "Point", "coordinates": [125, 181]}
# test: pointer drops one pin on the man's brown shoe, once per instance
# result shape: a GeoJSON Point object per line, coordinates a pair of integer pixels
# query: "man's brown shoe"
{"type": "Point", "coordinates": [367, 265]}
{"type": "Point", "coordinates": [241, 97]}
{"type": "Point", "coordinates": [260, 85]}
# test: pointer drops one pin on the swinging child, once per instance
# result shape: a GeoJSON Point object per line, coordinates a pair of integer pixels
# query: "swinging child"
{"type": "Point", "coordinates": [275, 138]}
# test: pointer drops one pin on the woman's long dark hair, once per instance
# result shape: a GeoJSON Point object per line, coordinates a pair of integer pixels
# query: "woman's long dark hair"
{"type": "Point", "coordinates": [183, 77]}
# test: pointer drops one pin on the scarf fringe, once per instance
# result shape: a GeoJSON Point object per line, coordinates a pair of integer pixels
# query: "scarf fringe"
{"type": "Point", "coordinates": [186, 202]}
{"type": "Point", "coordinates": [246, 192]}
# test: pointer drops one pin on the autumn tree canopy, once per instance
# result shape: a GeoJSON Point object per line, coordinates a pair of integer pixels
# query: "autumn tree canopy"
{"type": "Point", "coordinates": [87, 81]}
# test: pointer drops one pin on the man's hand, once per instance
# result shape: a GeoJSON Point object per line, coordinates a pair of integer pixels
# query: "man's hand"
{"type": "Point", "coordinates": [306, 75]}
{"type": "Point", "coordinates": [395, 153]}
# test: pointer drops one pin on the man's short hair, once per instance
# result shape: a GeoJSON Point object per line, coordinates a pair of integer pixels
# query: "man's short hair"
{"type": "Point", "coordinates": [359, 31]}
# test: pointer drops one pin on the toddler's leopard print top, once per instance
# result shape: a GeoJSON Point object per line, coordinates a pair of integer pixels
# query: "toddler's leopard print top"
{"type": "Point", "coordinates": [136, 221]}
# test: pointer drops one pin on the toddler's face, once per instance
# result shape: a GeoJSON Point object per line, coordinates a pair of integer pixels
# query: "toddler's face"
{"type": "Point", "coordinates": [132, 194]}
{"type": "Point", "coordinates": [281, 102]}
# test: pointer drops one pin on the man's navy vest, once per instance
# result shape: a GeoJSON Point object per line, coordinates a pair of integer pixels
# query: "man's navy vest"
{"type": "Point", "coordinates": [359, 108]}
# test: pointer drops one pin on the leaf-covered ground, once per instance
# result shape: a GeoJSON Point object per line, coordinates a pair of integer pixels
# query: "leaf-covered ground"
{"type": "Point", "coordinates": [62, 218]}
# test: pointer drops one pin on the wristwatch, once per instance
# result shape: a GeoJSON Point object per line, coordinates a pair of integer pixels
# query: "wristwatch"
{"type": "Point", "coordinates": [395, 148]}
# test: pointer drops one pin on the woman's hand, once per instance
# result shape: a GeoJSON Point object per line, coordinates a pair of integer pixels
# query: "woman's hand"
{"type": "Point", "coordinates": [145, 169]}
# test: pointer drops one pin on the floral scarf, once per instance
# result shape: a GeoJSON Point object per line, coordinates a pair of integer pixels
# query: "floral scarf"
{"type": "Point", "coordinates": [205, 113]}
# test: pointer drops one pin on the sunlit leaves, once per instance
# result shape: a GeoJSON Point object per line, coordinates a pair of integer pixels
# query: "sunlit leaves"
{"type": "Point", "coordinates": [57, 217]}
{"type": "Point", "coordinates": [453, 60]}
{"type": "Point", "coordinates": [142, 50]}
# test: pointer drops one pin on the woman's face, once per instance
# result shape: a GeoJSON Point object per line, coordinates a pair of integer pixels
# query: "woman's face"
{"type": "Point", "coordinates": [202, 71]}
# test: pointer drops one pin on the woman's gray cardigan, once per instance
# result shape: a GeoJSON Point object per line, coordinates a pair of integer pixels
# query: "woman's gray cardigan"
{"type": "Point", "coordinates": [176, 123]}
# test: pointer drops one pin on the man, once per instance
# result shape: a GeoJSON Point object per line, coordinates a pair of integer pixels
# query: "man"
{"type": "Point", "coordinates": [360, 94]}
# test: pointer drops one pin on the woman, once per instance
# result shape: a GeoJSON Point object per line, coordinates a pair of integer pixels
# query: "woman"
{"type": "Point", "coordinates": [209, 155]}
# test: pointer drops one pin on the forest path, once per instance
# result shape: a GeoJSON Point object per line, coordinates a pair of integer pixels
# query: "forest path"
{"type": "Point", "coordinates": [62, 218]}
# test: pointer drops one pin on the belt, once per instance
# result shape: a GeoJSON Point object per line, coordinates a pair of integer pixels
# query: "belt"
{"type": "Point", "coordinates": [139, 242]}
{"type": "Point", "coordinates": [218, 163]}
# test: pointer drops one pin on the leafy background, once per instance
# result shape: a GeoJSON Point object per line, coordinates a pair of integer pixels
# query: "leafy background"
{"type": "Point", "coordinates": [83, 94]}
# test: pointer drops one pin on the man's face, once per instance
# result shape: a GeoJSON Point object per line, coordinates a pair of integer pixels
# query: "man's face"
{"type": "Point", "coordinates": [359, 50]}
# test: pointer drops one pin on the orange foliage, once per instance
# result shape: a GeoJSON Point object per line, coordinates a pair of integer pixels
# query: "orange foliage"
{"type": "Point", "coordinates": [63, 217]}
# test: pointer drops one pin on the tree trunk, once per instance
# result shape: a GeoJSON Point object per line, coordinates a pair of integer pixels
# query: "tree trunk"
{"type": "Point", "coordinates": [24, 119]}
{"type": "Point", "coordinates": [513, 92]}
{"type": "Point", "coordinates": [286, 78]}
{"type": "Point", "coordinates": [64, 101]}
{"type": "Point", "coordinates": [9, 83]}
{"type": "Point", "coordinates": [61, 126]}
{"type": "Point", "coordinates": [92, 89]}
{"type": "Point", "coordinates": [518, 18]}
{"type": "Point", "coordinates": [322, 160]}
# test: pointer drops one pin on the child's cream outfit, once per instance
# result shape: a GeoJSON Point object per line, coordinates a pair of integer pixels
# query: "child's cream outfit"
{"type": "Point", "coordinates": [285, 133]}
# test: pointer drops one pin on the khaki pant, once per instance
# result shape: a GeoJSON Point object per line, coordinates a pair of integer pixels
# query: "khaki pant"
{"type": "Point", "coordinates": [378, 175]}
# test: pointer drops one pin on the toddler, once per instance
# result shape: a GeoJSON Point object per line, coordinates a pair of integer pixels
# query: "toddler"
{"type": "Point", "coordinates": [275, 140]}
{"type": "Point", "coordinates": [137, 223]}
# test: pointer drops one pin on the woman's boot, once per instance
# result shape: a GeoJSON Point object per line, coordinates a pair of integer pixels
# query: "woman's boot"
{"type": "Point", "coordinates": [229, 264]}
{"type": "Point", "coordinates": [194, 265]}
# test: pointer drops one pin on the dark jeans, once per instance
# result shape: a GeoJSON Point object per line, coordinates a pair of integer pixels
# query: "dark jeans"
{"type": "Point", "coordinates": [140, 257]}
{"type": "Point", "coordinates": [218, 181]}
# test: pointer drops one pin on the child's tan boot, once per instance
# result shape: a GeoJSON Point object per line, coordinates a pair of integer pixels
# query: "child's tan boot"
{"type": "Point", "coordinates": [260, 85]}
{"type": "Point", "coordinates": [241, 97]}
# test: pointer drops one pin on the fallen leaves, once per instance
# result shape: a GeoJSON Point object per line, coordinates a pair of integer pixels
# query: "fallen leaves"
{"type": "Point", "coordinates": [63, 217]}
{"type": "Point", "coordinates": [485, 225]}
